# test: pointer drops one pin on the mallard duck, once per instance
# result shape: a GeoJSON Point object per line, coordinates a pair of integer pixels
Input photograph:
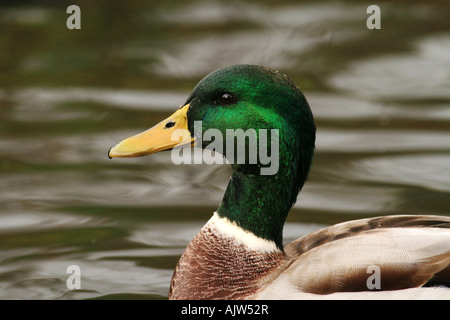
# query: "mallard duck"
{"type": "Point", "coordinates": [239, 253]}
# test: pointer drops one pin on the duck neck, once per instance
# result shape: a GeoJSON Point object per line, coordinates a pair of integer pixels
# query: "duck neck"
{"type": "Point", "coordinates": [260, 203]}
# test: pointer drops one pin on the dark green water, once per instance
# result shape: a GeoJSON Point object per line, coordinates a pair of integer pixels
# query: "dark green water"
{"type": "Point", "coordinates": [381, 100]}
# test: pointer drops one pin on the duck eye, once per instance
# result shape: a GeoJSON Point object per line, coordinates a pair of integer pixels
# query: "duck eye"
{"type": "Point", "coordinates": [227, 98]}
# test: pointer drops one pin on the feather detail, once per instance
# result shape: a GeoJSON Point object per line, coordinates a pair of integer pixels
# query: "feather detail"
{"type": "Point", "coordinates": [407, 252]}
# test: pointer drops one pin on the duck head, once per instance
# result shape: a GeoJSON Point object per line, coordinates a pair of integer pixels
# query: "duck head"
{"type": "Point", "coordinates": [241, 103]}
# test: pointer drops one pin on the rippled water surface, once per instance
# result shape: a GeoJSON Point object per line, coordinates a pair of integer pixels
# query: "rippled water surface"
{"type": "Point", "coordinates": [381, 100]}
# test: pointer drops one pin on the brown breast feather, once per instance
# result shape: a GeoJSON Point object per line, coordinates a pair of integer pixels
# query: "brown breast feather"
{"type": "Point", "coordinates": [218, 267]}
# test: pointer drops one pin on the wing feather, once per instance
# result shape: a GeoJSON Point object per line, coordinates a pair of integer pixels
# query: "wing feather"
{"type": "Point", "coordinates": [405, 251]}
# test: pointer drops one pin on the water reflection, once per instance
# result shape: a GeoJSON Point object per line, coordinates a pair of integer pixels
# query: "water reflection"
{"type": "Point", "coordinates": [268, 36]}
{"type": "Point", "coordinates": [423, 74]}
{"type": "Point", "coordinates": [423, 171]}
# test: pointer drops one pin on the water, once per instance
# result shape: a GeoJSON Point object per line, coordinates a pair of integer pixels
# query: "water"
{"type": "Point", "coordinates": [381, 100]}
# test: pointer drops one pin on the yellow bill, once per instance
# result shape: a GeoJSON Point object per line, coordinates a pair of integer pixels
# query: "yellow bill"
{"type": "Point", "coordinates": [167, 134]}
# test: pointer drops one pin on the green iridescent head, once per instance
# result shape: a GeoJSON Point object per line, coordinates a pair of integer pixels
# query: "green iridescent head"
{"type": "Point", "coordinates": [251, 99]}
{"type": "Point", "coordinates": [254, 97]}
